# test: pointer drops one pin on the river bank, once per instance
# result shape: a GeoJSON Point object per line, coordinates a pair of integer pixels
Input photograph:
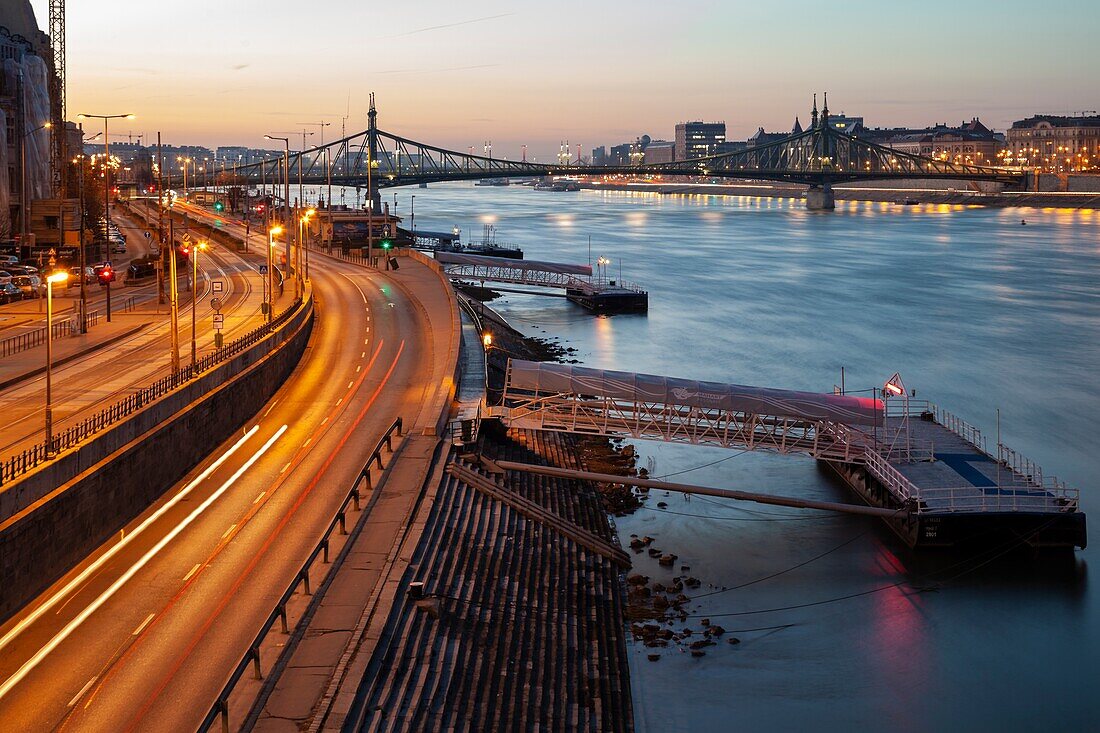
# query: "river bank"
{"type": "Point", "coordinates": [901, 196]}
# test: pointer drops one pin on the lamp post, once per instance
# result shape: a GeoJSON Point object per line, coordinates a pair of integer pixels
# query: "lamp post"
{"type": "Point", "coordinates": [57, 277]}
{"type": "Point", "coordinates": [303, 252]}
{"type": "Point", "coordinates": [200, 246]}
{"type": "Point", "coordinates": [106, 170]}
{"type": "Point", "coordinates": [412, 216]}
{"type": "Point", "coordinates": [286, 189]}
{"type": "Point", "coordinates": [270, 269]}
{"type": "Point", "coordinates": [24, 193]}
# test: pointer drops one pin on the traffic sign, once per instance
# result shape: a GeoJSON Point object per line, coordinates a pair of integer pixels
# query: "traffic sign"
{"type": "Point", "coordinates": [219, 320]}
{"type": "Point", "coordinates": [217, 286]}
{"type": "Point", "coordinates": [215, 304]}
{"type": "Point", "coordinates": [263, 269]}
{"type": "Point", "coordinates": [148, 235]}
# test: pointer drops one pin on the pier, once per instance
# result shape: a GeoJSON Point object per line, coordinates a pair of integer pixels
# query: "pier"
{"type": "Point", "coordinates": [598, 295]}
{"type": "Point", "coordinates": [931, 468]}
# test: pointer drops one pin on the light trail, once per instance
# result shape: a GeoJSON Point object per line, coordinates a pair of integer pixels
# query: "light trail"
{"type": "Point", "coordinates": [42, 653]}
{"type": "Point", "coordinates": [95, 566]}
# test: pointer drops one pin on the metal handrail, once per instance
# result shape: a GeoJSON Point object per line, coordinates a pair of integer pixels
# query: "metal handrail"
{"type": "Point", "coordinates": [30, 458]}
{"type": "Point", "coordinates": [960, 427]}
{"type": "Point", "coordinates": [220, 708]}
{"type": "Point", "coordinates": [897, 484]}
{"type": "Point", "coordinates": [1005, 498]}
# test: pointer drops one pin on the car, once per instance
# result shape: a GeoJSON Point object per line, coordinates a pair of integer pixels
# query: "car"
{"type": "Point", "coordinates": [98, 268]}
{"type": "Point", "coordinates": [5, 277]}
{"type": "Point", "coordinates": [29, 285]}
{"type": "Point", "coordinates": [9, 293]}
{"type": "Point", "coordinates": [74, 276]}
{"type": "Point", "coordinates": [118, 248]}
{"type": "Point", "coordinates": [20, 270]}
{"type": "Point", "coordinates": [8, 260]}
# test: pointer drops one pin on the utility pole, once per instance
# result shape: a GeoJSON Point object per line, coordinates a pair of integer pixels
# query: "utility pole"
{"type": "Point", "coordinates": [160, 221]}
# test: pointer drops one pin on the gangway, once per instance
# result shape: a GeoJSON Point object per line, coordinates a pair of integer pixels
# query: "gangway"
{"type": "Point", "coordinates": [899, 454]}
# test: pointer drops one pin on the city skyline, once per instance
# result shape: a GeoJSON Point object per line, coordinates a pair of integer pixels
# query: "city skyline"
{"type": "Point", "coordinates": [598, 81]}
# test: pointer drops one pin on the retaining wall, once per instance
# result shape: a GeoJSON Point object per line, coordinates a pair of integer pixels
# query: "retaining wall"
{"type": "Point", "coordinates": [57, 515]}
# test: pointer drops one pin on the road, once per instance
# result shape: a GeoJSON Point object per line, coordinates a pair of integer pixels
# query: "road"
{"type": "Point", "coordinates": [91, 382]}
{"type": "Point", "coordinates": [141, 635]}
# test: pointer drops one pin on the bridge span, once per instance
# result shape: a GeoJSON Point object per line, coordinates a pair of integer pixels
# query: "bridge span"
{"type": "Point", "coordinates": [819, 157]}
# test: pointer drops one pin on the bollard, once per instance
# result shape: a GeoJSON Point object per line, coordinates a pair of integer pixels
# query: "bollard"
{"type": "Point", "coordinates": [256, 662]}
{"type": "Point", "coordinates": [355, 496]}
{"type": "Point", "coordinates": [282, 618]}
{"type": "Point", "coordinates": [343, 528]}
{"type": "Point", "coordinates": [305, 580]}
{"type": "Point", "coordinates": [324, 551]}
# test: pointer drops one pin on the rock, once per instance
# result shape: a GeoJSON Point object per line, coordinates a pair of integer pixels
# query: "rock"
{"type": "Point", "coordinates": [667, 560]}
{"type": "Point", "coordinates": [692, 583]}
{"type": "Point", "coordinates": [647, 540]}
{"type": "Point", "coordinates": [628, 451]}
{"type": "Point", "coordinates": [654, 552]}
{"type": "Point", "coordinates": [637, 579]}
{"type": "Point", "coordinates": [733, 640]}
{"type": "Point", "coordinates": [717, 630]}
{"type": "Point", "coordinates": [700, 644]}
{"type": "Point", "coordinates": [658, 588]}
{"type": "Point", "coordinates": [686, 632]}
{"type": "Point", "coordinates": [662, 505]}
{"type": "Point", "coordinates": [660, 603]}
{"type": "Point", "coordinates": [706, 622]}
{"type": "Point", "coordinates": [665, 634]}
{"type": "Point", "coordinates": [636, 545]}
{"type": "Point", "coordinates": [698, 653]}
{"type": "Point", "coordinates": [683, 568]}
{"type": "Point", "coordinates": [653, 657]}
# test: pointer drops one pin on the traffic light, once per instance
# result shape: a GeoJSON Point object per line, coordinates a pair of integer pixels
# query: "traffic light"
{"type": "Point", "coordinates": [219, 206]}
{"type": "Point", "coordinates": [387, 244]}
{"type": "Point", "coordinates": [106, 275]}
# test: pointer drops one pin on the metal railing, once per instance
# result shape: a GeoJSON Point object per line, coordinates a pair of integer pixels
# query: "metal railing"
{"type": "Point", "coordinates": [220, 709]}
{"type": "Point", "coordinates": [999, 499]}
{"type": "Point", "coordinates": [902, 488]}
{"type": "Point", "coordinates": [30, 458]}
{"type": "Point", "coordinates": [961, 428]}
{"type": "Point", "coordinates": [29, 339]}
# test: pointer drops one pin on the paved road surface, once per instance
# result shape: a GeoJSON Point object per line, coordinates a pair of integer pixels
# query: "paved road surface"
{"type": "Point", "coordinates": [143, 639]}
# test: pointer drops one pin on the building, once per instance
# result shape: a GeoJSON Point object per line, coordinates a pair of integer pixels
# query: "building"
{"type": "Point", "coordinates": [599, 155]}
{"type": "Point", "coordinates": [1054, 142]}
{"type": "Point", "coordinates": [969, 142]}
{"type": "Point", "coordinates": [698, 139]}
{"type": "Point", "coordinates": [659, 151]}
{"type": "Point", "coordinates": [26, 76]}
{"type": "Point", "coordinates": [760, 138]}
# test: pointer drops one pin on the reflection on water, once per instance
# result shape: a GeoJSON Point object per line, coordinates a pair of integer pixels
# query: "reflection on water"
{"type": "Point", "coordinates": [977, 313]}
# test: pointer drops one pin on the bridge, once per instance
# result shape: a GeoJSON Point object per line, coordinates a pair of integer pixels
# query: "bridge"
{"type": "Point", "coordinates": [819, 157]}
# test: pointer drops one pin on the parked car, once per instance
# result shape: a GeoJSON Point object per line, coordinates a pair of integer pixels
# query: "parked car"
{"type": "Point", "coordinates": [118, 248]}
{"type": "Point", "coordinates": [29, 285]}
{"type": "Point", "coordinates": [20, 270]}
{"type": "Point", "coordinates": [145, 267]}
{"type": "Point", "coordinates": [5, 277]}
{"type": "Point", "coordinates": [9, 292]}
{"type": "Point", "coordinates": [8, 260]}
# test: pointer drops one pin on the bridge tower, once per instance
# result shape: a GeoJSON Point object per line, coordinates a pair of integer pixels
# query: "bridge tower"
{"type": "Point", "coordinates": [819, 197]}
{"type": "Point", "coordinates": [372, 161]}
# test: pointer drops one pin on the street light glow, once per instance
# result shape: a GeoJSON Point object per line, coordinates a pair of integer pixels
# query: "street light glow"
{"type": "Point", "coordinates": [57, 277]}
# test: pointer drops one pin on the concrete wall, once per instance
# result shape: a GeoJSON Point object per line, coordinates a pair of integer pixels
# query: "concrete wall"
{"type": "Point", "coordinates": [65, 510]}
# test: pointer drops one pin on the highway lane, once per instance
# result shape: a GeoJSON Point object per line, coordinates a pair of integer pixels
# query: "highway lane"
{"type": "Point", "coordinates": [91, 382]}
{"type": "Point", "coordinates": [151, 653]}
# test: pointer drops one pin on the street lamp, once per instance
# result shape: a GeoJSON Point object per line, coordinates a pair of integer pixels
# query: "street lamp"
{"type": "Point", "coordinates": [286, 187]}
{"type": "Point", "coordinates": [200, 246]}
{"type": "Point", "coordinates": [303, 253]}
{"type": "Point", "coordinates": [56, 277]}
{"type": "Point", "coordinates": [106, 169]}
{"type": "Point", "coordinates": [270, 269]}
{"type": "Point", "coordinates": [24, 192]}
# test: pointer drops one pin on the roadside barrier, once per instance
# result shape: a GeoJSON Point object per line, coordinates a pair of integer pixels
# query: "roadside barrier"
{"type": "Point", "coordinates": [220, 709]}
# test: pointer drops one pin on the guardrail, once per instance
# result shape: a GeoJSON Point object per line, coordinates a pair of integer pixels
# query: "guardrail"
{"type": "Point", "coordinates": [29, 339]}
{"type": "Point", "coordinates": [961, 499]}
{"type": "Point", "coordinates": [961, 428]}
{"type": "Point", "coordinates": [31, 457]}
{"type": "Point", "coordinates": [251, 658]}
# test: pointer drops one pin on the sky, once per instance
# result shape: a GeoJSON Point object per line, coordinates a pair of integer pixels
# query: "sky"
{"type": "Point", "coordinates": [600, 72]}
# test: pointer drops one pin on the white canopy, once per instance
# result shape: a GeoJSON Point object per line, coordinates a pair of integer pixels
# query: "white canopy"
{"type": "Point", "coordinates": [547, 378]}
{"type": "Point", "coordinates": [455, 258]}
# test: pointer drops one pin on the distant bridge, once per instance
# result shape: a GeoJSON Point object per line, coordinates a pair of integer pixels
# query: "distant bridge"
{"type": "Point", "coordinates": [819, 157]}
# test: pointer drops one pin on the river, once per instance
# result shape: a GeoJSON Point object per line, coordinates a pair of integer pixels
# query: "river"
{"type": "Point", "coordinates": [974, 309]}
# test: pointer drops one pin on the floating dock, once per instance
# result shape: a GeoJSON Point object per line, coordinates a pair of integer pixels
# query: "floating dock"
{"type": "Point", "coordinates": [932, 469]}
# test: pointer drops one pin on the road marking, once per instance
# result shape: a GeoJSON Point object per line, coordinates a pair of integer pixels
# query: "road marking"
{"type": "Point", "coordinates": [364, 341]}
{"type": "Point", "coordinates": [192, 571]}
{"type": "Point", "coordinates": [324, 421]}
{"type": "Point", "coordinates": [308, 441]}
{"type": "Point", "coordinates": [271, 408]}
{"type": "Point", "coordinates": [94, 567]}
{"type": "Point", "coordinates": [339, 401]}
{"type": "Point", "coordinates": [350, 383]}
{"type": "Point", "coordinates": [257, 499]}
{"type": "Point", "coordinates": [84, 689]}
{"type": "Point", "coordinates": [143, 624]}
{"type": "Point", "coordinates": [284, 468]}
{"type": "Point", "coordinates": [231, 528]}
{"type": "Point", "coordinates": [363, 355]}
{"type": "Point", "coordinates": [69, 628]}
{"type": "Point", "coordinates": [358, 368]}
